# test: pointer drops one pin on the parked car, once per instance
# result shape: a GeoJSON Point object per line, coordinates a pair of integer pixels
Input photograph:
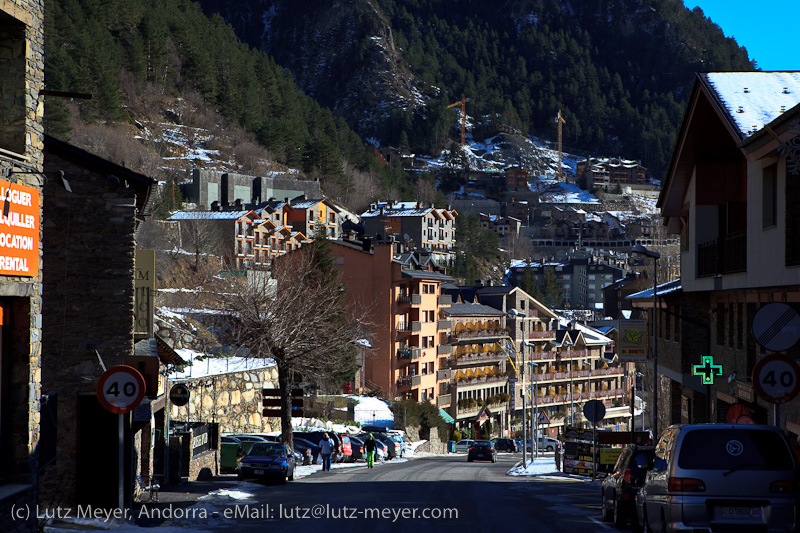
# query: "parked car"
{"type": "Point", "coordinates": [463, 445]}
{"type": "Point", "coordinates": [347, 449]}
{"type": "Point", "coordinates": [482, 450]}
{"type": "Point", "coordinates": [357, 447]}
{"type": "Point", "coordinates": [393, 448]}
{"type": "Point", "coordinates": [247, 441]}
{"type": "Point", "coordinates": [719, 477]}
{"type": "Point", "coordinates": [313, 448]}
{"type": "Point", "coordinates": [314, 437]}
{"type": "Point", "coordinates": [505, 445]}
{"type": "Point", "coordinates": [619, 488]}
{"type": "Point", "coordinates": [544, 444]}
{"type": "Point", "coordinates": [268, 460]}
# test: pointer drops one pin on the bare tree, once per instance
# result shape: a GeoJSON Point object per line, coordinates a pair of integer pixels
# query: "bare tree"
{"type": "Point", "coordinates": [299, 319]}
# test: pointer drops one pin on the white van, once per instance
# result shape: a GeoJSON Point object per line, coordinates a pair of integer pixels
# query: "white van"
{"type": "Point", "coordinates": [545, 444]}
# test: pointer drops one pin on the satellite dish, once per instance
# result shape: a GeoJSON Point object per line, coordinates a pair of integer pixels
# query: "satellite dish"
{"type": "Point", "coordinates": [406, 237]}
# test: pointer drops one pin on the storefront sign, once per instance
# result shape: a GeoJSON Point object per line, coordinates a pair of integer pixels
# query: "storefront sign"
{"type": "Point", "coordinates": [19, 230]}
{"type": "Point", "coordinates": [632, 341]}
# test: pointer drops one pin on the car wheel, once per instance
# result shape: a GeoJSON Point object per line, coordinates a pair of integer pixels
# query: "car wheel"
{"type": "Point", "coordinates": [645, 526]}
{"type": "Point", "coordinates": [605, 512]}
{"type": "Point", "coordinates": [469, 459]}
{"type": "Point", "coordinates": [291, 476]}
{"type": "Point", "coordinates": [549, 448]}
{"type": "Point", "coordinates": [620, 518]}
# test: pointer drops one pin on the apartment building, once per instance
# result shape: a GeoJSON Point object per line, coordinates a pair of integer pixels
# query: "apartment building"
{"type": "Point", "coordinates": [414, 224]}
{"type": "Point", "coordinates": [409, 327]}
{"type": "Point", "coordinates": [478, 365]}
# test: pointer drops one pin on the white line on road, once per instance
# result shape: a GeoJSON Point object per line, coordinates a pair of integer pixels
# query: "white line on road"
{"type": "Point", "coordinates": [599, 523]}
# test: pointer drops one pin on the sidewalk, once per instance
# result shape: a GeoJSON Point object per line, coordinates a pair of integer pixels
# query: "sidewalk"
{"type": "Point", "coordinates": [172, 499]}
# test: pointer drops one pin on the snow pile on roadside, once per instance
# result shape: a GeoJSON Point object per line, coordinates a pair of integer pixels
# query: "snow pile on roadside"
{"type": "Point", "coordinates": [539, 466]}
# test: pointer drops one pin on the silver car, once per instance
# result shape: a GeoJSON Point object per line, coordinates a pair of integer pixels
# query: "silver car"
{"type": "Point", "coordinates": [719, 477]}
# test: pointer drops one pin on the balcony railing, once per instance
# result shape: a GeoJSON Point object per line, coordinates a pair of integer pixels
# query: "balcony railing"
{"type": "Point", "coordinates": [708, 258]}
{"type": "Point", "coordinates": [409, 299]}
{"type": "Point", "coordinates": [409, 352]}
{"type": "Point", "coordinates": [443, 324]}
{"type": "Point", "coordinates": [409, 381]}
{"type": "Point", "coordinates": [736, 252]}
{"type": "Point", "coordinates": [731, 258]}
{"type": "Point", "coordinates": [444, 300]}
{"type": "Point", "coordinates": [548, 334]}
{"type": "Point", "coordinates": [443, 400]}
{"type": "Point", "coordinates": [476, 358]}
{"type": "Point", "coordinates": [444, 349]}
{"type": "Point", "coordinates": [478, 334]}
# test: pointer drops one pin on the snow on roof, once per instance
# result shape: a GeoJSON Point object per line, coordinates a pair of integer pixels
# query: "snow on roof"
{"type": "Point", "coordinates": [208, 215]}
{"type": "Point", "coordinates": [754, 99]}
{"type": "Point", "coordinates": [214, 366]}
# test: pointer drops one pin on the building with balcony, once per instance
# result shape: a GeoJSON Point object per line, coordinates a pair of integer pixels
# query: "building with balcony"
{"type": "Point", "coordinates": [478, 385]}
{"type": "Point", "coordinates": [416, 226]}
{"type": "Point", "coordinates": [732, 193]}
{"type": "Point", "coordinates": [313, 217]}
{"type": "Point", "coordinates": [408, 323]}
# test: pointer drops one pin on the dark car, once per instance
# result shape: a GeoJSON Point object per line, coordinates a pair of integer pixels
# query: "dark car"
{"type": "Point", "coordinates": [247, 441]}
{"type": "Point", "coordinates": [357, 447]}
{"type": "Point", "coordinates": [505, 445]}
{"type": "Point", "coordinates": [619, 488]}
{"type": "Point", "coordinates": [314, 437]}
{"type": "Point", "coordinates": [392, 447]}
{"type": "Point", "coordinates": [268, 460]}
{"type": "Point", "coordinates": [482, 450]}
{"type": "Point", "coordinates": [313, 448]}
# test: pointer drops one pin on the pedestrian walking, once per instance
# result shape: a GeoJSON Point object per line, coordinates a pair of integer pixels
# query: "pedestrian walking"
{"type": "Point", "coordinates": [326, 448]}
{"type": "Point", "coordinates": [369, 445]}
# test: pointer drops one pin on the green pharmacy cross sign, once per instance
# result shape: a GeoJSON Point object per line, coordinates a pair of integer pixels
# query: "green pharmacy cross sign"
{"type": "Point", "coordinates": [707, 369]}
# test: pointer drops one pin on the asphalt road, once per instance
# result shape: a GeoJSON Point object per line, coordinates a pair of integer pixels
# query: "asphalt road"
{"type": "Point", "coordinates": [424, 494]}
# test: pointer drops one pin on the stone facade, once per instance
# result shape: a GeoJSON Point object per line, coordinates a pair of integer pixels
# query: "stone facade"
{"type": "Point", "coordinates": [88, 315]}
{"type": "Point", "coordinates": [21, 112]}
{"type": "Point", "coordinates": [234, 400]}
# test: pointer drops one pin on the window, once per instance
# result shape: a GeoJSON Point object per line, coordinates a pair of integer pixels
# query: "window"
{"type": "Point", "coordinates": [769, 196]}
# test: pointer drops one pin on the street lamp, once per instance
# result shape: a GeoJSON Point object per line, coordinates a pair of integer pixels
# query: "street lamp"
{"type": "Point", "coordinates": [641, 250]}
{"type": "Point", "coordinates": [571, 388]}
{"type": "Point", "coordinates": [535, 413]}
{"type": "Point", "coordinates": [588, 379]}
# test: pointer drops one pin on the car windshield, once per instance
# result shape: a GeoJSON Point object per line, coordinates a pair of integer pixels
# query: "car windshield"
{"type": "Point", "coordinates": [481, 444]}
{"type": "Point", "coordinates": [264, 449]}
{"type": "Point", "coordinates": [734, 449]}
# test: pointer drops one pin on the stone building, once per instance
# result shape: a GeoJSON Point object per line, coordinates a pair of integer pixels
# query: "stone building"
{"type": "Point", "coordinates": [91, 207]}
{"type": "Point", "coordinates": [21, 158]}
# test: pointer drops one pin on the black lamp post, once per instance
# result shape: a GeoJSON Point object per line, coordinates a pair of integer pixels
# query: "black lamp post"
{"type": "Point", "coordinates": [641, 250]}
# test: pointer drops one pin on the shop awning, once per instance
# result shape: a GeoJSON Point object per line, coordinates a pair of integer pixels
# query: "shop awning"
{"type": "Point", "coordinates": [447, 418]}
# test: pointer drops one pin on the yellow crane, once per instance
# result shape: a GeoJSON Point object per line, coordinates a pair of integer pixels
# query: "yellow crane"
{"type": "Point", "coordinates": [560, 120]}
{"type": "Point", "coordinates": [463, 105]}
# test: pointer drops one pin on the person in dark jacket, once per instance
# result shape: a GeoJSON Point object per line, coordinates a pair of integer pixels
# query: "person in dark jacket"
{"type": "Point", "coordinates": [369, 445]}
{"type": "Point", "coordinates": [326, 448]}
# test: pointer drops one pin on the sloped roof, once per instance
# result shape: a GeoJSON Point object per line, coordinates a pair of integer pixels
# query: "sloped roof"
{"type": "Point", "coordinates": [424, 274]}
{"type": "Point", "coordinates": [472, 310]}
{"type": "Point", "coordinates": [208, 215]}
{"type": "Point", "coordinates": [754, 99]}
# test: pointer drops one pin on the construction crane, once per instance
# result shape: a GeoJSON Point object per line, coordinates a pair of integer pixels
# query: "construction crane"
{"type": "Point", "coordinates": [560, 120]}
{"type": "Point", "coordinates": [462, 103]}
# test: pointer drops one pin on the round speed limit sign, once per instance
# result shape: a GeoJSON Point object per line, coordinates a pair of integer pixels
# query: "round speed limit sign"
{"type": "Point", "coordinates": [120, 389]}
{"type": "Point", "coordinates": [776, 378]}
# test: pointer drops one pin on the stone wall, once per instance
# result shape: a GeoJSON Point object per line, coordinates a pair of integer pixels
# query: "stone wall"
{"type": "Point", "coordinates": [234, 400]}
{"type": "Point", "coordinates": [21, 138]}
{"type": "Point", "coordinates": [433, 443]}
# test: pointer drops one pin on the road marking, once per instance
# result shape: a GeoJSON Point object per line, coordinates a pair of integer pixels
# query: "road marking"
{"type": "Point", "coordinates": [599, 523]}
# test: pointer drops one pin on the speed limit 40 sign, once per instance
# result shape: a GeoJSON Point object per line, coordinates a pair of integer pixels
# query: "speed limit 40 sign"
{"type": "Point", "coordinates": [120, 389]}
{"type": "Point", "coordinates": [776, 378]}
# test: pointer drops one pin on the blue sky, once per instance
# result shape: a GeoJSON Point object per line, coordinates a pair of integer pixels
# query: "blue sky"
{"type": "Point", "coordinates": [767, 28]}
